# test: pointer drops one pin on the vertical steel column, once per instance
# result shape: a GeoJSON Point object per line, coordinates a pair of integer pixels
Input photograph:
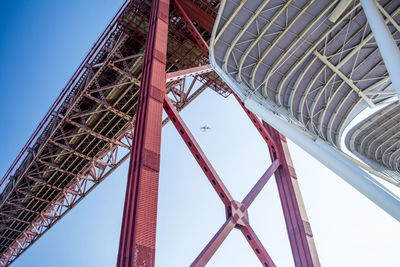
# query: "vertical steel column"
{"type": "Point", "coordinates": [387, 46]}
{"type": "Point", "coordinates": [138, 231]}
{"type": "Point", "coordinates": [297, 224]}
{"type": "Point", "coordinates": [299, 229]}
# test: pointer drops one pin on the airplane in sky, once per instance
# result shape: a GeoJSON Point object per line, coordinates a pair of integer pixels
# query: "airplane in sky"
{"type": "Point", "coordinates": [205, 128]}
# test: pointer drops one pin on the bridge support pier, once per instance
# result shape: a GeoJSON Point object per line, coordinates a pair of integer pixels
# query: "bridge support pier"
{"type": "Point", "coordinates": [297, 224]}
{"type": "Point", "coordinates": [138, 231]}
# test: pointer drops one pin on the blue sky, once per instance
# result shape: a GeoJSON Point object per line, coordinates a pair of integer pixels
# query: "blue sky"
{"type": "Point", "coordinates": [40, 47]}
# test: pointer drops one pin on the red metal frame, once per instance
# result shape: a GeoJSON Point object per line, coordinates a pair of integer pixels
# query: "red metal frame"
{"type": "Point", "coordinates": [138, 231]}
{"type": "Point", "coordinates": [298, 227]}
{"type": "Point", "coordinates": [181, 74]}
{"type": "Point", "coordinates": [236, 211]}
{"type": "Point", "coordinates": [198, 154]}
{"type": "Point", "coordinates": [189, 24]}
{"type": "Point", "coordinates": [297, 224]}
{"type": "Point", "coordinates": [75, 77]}
{"type": "Point", "coordinates": [200, 11]}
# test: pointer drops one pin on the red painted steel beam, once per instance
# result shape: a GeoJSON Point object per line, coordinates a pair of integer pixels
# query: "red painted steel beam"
{"type": "Point", "coordinates": [64, 92]}
{"type": "Point", "coordinates": [251, 196]}
{"type": "Point", "coordinates": [297, 224]}
{"type": "Point", "coordinates": [247, 230]}
{"type": "Point", "coordinates": [189, 24]}
{"type": "Point", "coordinates": [257, 246]}
{"type": "Point", "coordinates": [238, 218]}
{"type": "Point", "coordinates": [212, 246]}
{"type": "Point", "coordinates": [236, 211]}
{"type": "Point", "coordinates": [180, 74]}
{"type": "Point", "coordinates": [257, 123]}
{"type": "Point", "coordinates": [204, 19]}
{"type": "Point", "coordinates": [197, 152]}
{"type": "Point", "coordinates": [138, 231]}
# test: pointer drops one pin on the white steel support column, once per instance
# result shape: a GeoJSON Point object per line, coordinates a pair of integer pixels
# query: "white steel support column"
{"type": "Point", "coordinates": [387, 46]}
{"type": "Point", "coordinates": [331, 158]}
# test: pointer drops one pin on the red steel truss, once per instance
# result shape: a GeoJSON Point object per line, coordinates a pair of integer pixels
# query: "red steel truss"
{"type": "Point", "coordinates": [87, 133]}
{"type": "Point", "coordinates": [297, 224]}
{"type": "Point", "coordinates": [117, 64]}
{"type": "Point", "coordinates": [299, 229]}
{"type": "Point", "coordinates": [236, 212]}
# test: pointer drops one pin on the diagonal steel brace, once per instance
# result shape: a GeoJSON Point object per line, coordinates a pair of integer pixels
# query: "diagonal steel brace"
{"type": "Point", "coordinates": [236, 211]}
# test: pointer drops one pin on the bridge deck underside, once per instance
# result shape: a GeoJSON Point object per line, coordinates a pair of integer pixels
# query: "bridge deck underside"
{"type": "Point", "coordinates": [318, 74]}
{"type": "Point", "coordinates": [90, 134]}
{"type": "Point", "coordinates": [377, 139]}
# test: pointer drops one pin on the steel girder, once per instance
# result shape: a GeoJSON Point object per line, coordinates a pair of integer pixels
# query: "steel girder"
{"type": "Point", "coordinates": [86, 124]}
{"type": "Point", "coordinates": [100, 168]}
{"type": "Point", "coordinates": [84, 147]}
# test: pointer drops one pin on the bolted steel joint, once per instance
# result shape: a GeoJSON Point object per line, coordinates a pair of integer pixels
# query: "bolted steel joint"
{"type": "Point", "coordinates": [238, 211]}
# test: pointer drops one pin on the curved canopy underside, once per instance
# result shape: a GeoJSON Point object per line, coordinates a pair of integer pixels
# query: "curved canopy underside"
{"type": "Point", "coordinates": [377, 139]}
{"type": "Point", "coordinates": [322, 70]}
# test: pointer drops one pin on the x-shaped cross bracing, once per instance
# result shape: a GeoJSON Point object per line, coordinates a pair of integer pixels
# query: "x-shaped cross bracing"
{"type": "Point", "coordinates": [236, 212]}
{"type": "Point", "coordinates": [137, 245]}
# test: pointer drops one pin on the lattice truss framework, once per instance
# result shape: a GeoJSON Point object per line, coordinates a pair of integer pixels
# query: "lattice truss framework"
{"type": "Point", "coordinates": [88, 132]}
{"type": "Point", "coordinates": [319, 73]}
{"type": "Point", "coordinates": [297, 224]}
